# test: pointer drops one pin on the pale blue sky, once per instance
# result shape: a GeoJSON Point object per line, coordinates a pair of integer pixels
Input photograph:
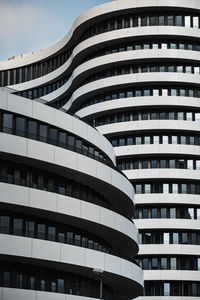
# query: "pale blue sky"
{"type": "Point", "coordinates": [29, 25]}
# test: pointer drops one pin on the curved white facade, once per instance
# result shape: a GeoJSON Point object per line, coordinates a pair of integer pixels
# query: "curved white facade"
{"type": "Point", "coordinates": [65, 208]}
{"type": "Point", "coordinates": [132, 70]}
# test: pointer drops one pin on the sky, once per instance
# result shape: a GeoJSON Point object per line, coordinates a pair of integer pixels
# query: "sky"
{"type": "Point", "coordinates": [30, 25]}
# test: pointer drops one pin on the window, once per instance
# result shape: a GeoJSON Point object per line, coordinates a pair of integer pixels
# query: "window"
{"type": "Point", "coordinates": [193, 239]}
{"type": "Point", "coordinates": [30, 228]}
{"type": "Point", "coordinates": [173, 263]}
{"type": "Point", "coordinates": [178, 20]}
{"type": "Point", "coordinates": [181, 163]}
{"type": "Point", "coordinates": [154, 263]}
{"type": "Point", "coordinates": [187, 21]}
{"type": "Point", "coordinates": [53, 135]}
{"type": "Point", "coordinates": [138, 188]}
{"type": "Point", "coordinates": [155, 92]}
{"type": "Point", "coordinates": [147, 188]}
{"type": "Point", "coordinates": [174, 91]}
{"type": "Point", "coordinates": [195, 22]}
{"type": "Point", "coordinates": [121, 142]}
{"type": "Point", "coordinates": [152, 21]}
{"type": "Point", "coordinates": [162, 115]}
{"type": "Point", "coordinates": [198, 213]}
{"type": "Point", "coordinates": [147, 92]}
{"type": "Point", "coordinates": [43, 133]}
{"type": "Point", "coordinates": [172, 213]}
{"type": "Point", "coordinates": [17, 226]}
{"type": "Point", "coordinates": [198, 264]}
{"type": "Point", "coordinates": [164, 92]}
{"type": "Point", "coordinates": [43, 285]}
{"type": "Point", "coordinates": [175, 238]}
{"type": "Point", "coordinates": [174, 188]}
{"type": "Point", "coordinates": [7, 123]}
{"type": "Point", "coordinates": [165, 139]}
{"type": "Point", "coordinates": [172, 163]}
{"type": "Point", "coordinates": [166, 238]}
{"type": "Point", "coordinates": [190, 164]}
{"type": "Point", "coordinates": [145, 264]}
{"type": "Point", "coordinates": [32, 282]}
{"type": "Point", "coordinates": [20, 126]}
{"type": "Point", "coordinates": [144, 164]}
{"type": "Point", "coordinates": [143, 21]}
{"type": "Point", "coordinates": [189, 116]}
{"type": "Point", "coordinates": [32, 129]}
{"type": "Point", "coordinates": [61, 285]}
{"type": "Point", "coordinates": [166, 289]}
{"type": "Point", "coordinates": [153, 116]}
{"type": "Point", "coordinates": [41, 228]}
{"type": "Point", "coordinates": [170, 20]}
{"type": "Point", "coordinates": [156, 139]}
{"type": "Point", "coordinates": [6, 279]}
{"type": "Point", "coordinates": [184, 238]}
{"type": "Point", "coordinates": [138, 140]}
{"type": "Point", "coordinates": [129, 141]}
{"type": "Point", "coordinates": [165, 188]}
{"type": "Point", "coordinates": [194, 289]}
{"type": "Point", "coordinates": [146, 46]}
{"type": "Point", "coordinates": [147, 140]}
{"type": "Point", "coordinates": [147, 238]}
{"type": "Point", "coordinates": [4, 224]}
{"type": "Point", "coordinates": [51, 233]}
{"type": "Point", "coordinates": [174, 139]}
{"type": "Point", "coordinates": [163, 163]}
{"type": "Point", "coordinates": [20, 281]}
{"type": "Point", "coordinates": [183, 140]}
{"type": "Point", "coordinates": [145, 213]}
{"type": "Point", "coordinates": [161, 20]}
{"type": "Point", "coordinates": [163, 213]}
{"type": "Point", "coordinates": [53, 286]}
{"type": "Point", "coordinates": [154, 213]}
{"type": "Point", "coordinates": [163, 263]}
{"type": "Point", "coordinates": [153, 163]}
{"type": "Point", "coordinates": [184, 188]}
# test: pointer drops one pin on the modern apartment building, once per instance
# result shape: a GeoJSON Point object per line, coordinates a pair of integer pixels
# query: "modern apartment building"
{"type": "Point", "coordinates": [131, 69]}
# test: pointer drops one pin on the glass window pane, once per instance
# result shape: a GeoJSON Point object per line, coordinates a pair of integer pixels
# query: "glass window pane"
{"type": "Point", "coordinates": [20, 126]}
{"type": "Point", "coordinates": [147, 188]}
{"type": "Point", "coordinates": [196, 22]}
{"type": "Point", "coordinates": [152, 21]}
{"type": "Point", "coordinates": [187, 21]}
{"type": "Point", "coordinates": [184, 238]}
{"type": "Point", "coordinates": [170, 20]}
{"type": "Point", "coordinates": [154, 213]}
{"type": "Point", "coordinates": [32, 129]}
{"type": "Point", "coordinates": [174, 188]}
{"type": "Point", "coordinates": [166, 238]}
{"type": "Point", "coordinates": [161, 20]}
{"type": "Point", "coordinates": [7, 123]}
{"type": "Point", "coordinates": [17, 226]}
{"type": "Point", "coordinates": [154, 263]}
{"type": "Point", "coordinates": [163, 213]}
{"type": "Point", "coordinates": [156, 139]}
{"type": "Point", "coordinates": [172, 212]}
{"type": "Point", "coordinates": [145, 264]}
{"type": "Point", "coordinates": [163, 263]}
{"type": "Point", "coordinates": [165, 188]}
{"type": "Point", "coordinates": [179, 20]}
{"type": "Point", "coordinates": [43, 133]}
{"type": "Point", "coordinates": [144, 213]}
{"type": "Point", "coordinates": [4, 224]}
{"type": "Point", "coordinates": [173, 263]}
{"type": "Point", "coordinates": [138, 188]}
